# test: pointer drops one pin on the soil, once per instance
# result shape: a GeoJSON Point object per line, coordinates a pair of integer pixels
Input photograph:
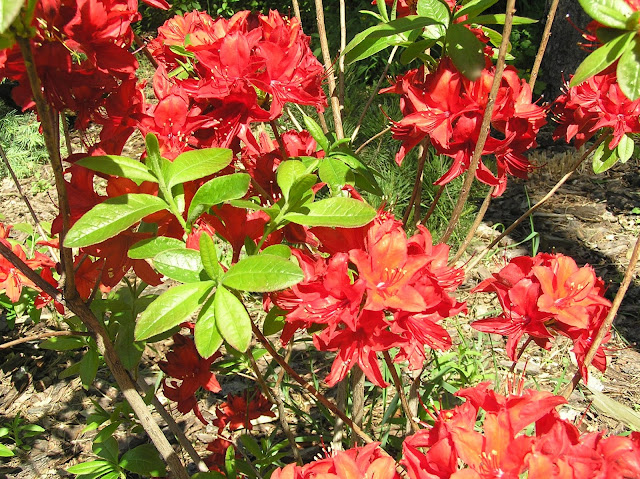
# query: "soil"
{"type": "Point", "coordinates": [591, 218]}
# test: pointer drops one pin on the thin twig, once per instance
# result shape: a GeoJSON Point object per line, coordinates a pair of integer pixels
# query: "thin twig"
{"type": "Point", "coordinates": [434, 203]}
{"type": "Point", "coordinates": [343, 45]}
{"type": "Point", "coordinates": [65, 131]}
{"type": "Point", "coordinates": [544, 199]}
{"type": "Point", "coordinates": [357, 398]}
{"type": "Point", "coordinates": [145, 51]}
{"type": "Point", "coordinates": [293, 119]}
{"type": "Point", "coordinates": [309, 387]}
{"type": "Point", "coordinates": [274, 398]}
{"type": "Point", "coordinates": [417, 186]}
{"type": "Point", "coordinates": [296, 10]}
{"type": "Point", "coordinates": [374, 137]}
{"type": "Point", "coordinates": [486, 124]}
{"type": "Point", "coordinates": [328, 65]}
{"type": "Point", "coordinates": [338, 423]}
{"type": "Point", "coordinates": [43, 335]}
{"type": "Point", "coordinates": [398, 385]}
{"type": "Point", "coordinates": [374, 93]}
{"type": "Point", "coordinates": [543, 44]}
{"type": "Point", "coordinates": [608, 321]}
{"type": "Point", "coordinates": [276, 134]}
{"type": "Point", "coordinates": [26, 201]}
{"type": "Point", "coordinates": [173, 426]}
{"type": "Point", "coordinates": [474, 227]}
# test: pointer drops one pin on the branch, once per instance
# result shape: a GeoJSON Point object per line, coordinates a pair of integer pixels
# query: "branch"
{"type": "Point", "coordinates": [398, 385]}
{"type": "Point", "coordinates": [314, 392]}
{"type": "Point", "coordinates": [434, 203]}
{"type": "Point", "coordinates": [486, 124]}
{"type": "Point", "coordinates": [374, 137]}
{"type": "Point", "coordinates": [608, 321]}
{"type": "Point", "coordinates": [43, 335]}
{"type": "Point", "coordinates": [474, 227]}
{"type": "Point", "coordinates": [417, 186]}
{"type": "Point", "coordinates": [543, 43]}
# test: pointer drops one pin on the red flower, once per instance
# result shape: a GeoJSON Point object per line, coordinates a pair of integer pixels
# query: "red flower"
{"type": "Point", "coordinates": [185, 364]}
{"type": "Point", "coordinates": [238, 411]}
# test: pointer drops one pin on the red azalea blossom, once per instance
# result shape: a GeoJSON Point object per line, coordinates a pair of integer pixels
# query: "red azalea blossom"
{"type": "Point", "coordinates": [186, 365]}
{"type": "Point", "coordinates": [237, 412]}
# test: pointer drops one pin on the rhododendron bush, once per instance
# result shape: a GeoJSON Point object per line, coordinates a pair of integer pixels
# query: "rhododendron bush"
{"type": "Point", "coordinates": [250, 228]}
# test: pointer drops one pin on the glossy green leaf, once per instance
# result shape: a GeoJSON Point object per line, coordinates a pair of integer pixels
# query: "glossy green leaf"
{"type": "Point", "coordinates": [63, 343]}
{"type": "Point", "coordinates": [107, 449]}
{"type": "Point", "coordinates": [316, 133]}
{"type": "Point", "coordinates": [466, 51]}
{"type": "Point", "coordinates": [174, 306]}
{"type": "Point", "coordinates": [89, 367]}
{"type": "Point", "coordinates": [273, 322]}
{"type": "Point", "coordinates": [118, 166]}
{"type": "Point", "coordinates": [206, 335]}
{"type": "Point", "coordinates": [281, 250]}
{"type": "Point", "coordinates": [181, 264]}
{"type": "Point", "coordinates": [143, 460]}
{"type": "Point", "coordinates": [417, 49]}
{"type": "Point", "coordinates": [148, 248]}
{"type": "Point", "coordinates": [474, 8]}
{"type": "Point", "coordinates": [216, 191]}
{"type": "Point", "coordinates": [91, 467]}
{"type": "Point", "coordinates": [262, 273]}
{"type": "Point", "coordinates": [154, 158]}
{"type": "Point", "coordinates": [603, 157]}
{"type": "Point", "coordinates": [628, 71]}
{"type": "Point", "coordinates": [498, 19]}
{"type": "Point", "coordinates": [196, 164]}
{"type": "Point", "coordinates": [288, 173]}
{"type": "Point", "coordinates": [601, 58]}
{"type": "Point", "coordinates": [365, 178]}
{"type": "Point", "coordinates": [5, 451]}
{"type": "Point", "coordinates": [107, 219]}
{"type": "Point", "coordinates": [437, 10]}
{"type": "Point", "coordinates": [338, 211]}
{"type": "Point", "coordinates": [625, 148]}
{"type": "Point", "coordinates": [9, 10]}
{"type": "Point", "coordinates": [209, 257]}
{"type": "Point", "coordinates": [232, 319]}
{"type": "Point", "coordinates": [335, 173]}
{"type": "Point", "coordinates": [301, 191]}
{"type": "Point", "coordinates": [610, 13]}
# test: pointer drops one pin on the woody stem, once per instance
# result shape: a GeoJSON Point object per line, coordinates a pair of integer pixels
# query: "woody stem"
{"type": "Point", "coordinates": [608, 321]}
{"type": "Point", "coordinates": [398, 385]}
{"type": "Point", "coordinates": [486, 124]}
{"type": "Point", "coordinates": [434, 203]}
{"type": "Point", "coordinates": [474, 227]}
{"type": "Point", "coordinates": [309, 387]}
{"type": "Point", "coordinates": [416, 194]}
{"type": "Point", "coordinates": [275, 398]}
{"type": "Point", "coordinates": [543, 43]}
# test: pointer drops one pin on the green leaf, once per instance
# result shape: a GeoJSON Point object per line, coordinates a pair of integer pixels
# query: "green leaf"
{"type": "Point", "coordinates": [5, 451]}
{"type": "Point", "coordinates": [417, 49]}
{"type": "Point", "coordinates": [474, 8]}
{"type": "Point", "coordinates": [601, 58]}
{"type": "Point", "coordinates": [611, 13]}
{"type": "Point", "coordinates": [107, 449]}
{"type": "Point", "coordinates": [111, 217]}
{"type": "Point", "coordinates": [316, 133]}
{"type": "Point", "coordinates": [209, 257]}
{"type": "Point", "coordinates": [281, 250]}
{"type": "Point", "coordinates": [625, 148]}
{"type": "Point", "coordinates": [379, 37]}
{"type": "Point", "coordinates": [466, 51]}
{"type": "Point", "coordinates": [216, 191]}
{"type": "Point", "coordinates": [154, 159]}
{"type": "Point", "coordinates": [603, 157]}
{"type": "Point", "coordinates": [206, 335]}
{"type": "Point", "coordinates": [434, 9]}
{"type": "Point", "coordinates": [338, 211]}
{"type": "Point", "coordinates": [196, 164]}
{"type": "Point", "coordinates": [498, 19]}
{"type": "Point", "coordinates": [149, 248]}
{"type": "Point", "coordinates": [89, 367]}
{"type": "Point", "coordinates": [301, 191]}
{"type": "Point", "coordinates": [172, 308]}
{"type": "Point", "coordinates": [232, 319]}
{"type": "Point", "coordinates": [9, 10]}
{"type": "Point", "coordinates": [90, 467]}
{"type": "Point", "coordinates": [262, 273]}
{"type": "Point", "coordinates": [273, 322]}
{"type": "Point", "coordinates": [335, 173]}
{"type": "Point", "coordinates": [365, 178]}
{"type": "Point", "coordinates": [63, 343]}
{"type": "Point", "coordinates": [143, 460]}
{"type": "Point", "coordinates": [70, 371]}
{"type": "Point", "coordinates": [628, 71]}
{"type": "Point", "coordinates": [119, 166]}
{"type": "Point", "coordinates": [181, 264]}
{"type": "Point", "coordinates": [287, 174]}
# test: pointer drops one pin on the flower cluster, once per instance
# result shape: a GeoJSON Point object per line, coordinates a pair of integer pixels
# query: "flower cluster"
{"type": "Point", "coordinates": [448, 108]}
{"type": "Point", "coordinates": [547, 295]}
{"type": "Point", "coordinates": [596, 103]}
{"type": "Point", "coordinates": [556, 450]}
{"type": "Point", "coordinates": [377, 290]}
{"type": "Point", "coordinates": [218, 76]}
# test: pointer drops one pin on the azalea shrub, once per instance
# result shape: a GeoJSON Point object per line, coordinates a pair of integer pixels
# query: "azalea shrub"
{"type": "Point", "coordinates": [249, 217]}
